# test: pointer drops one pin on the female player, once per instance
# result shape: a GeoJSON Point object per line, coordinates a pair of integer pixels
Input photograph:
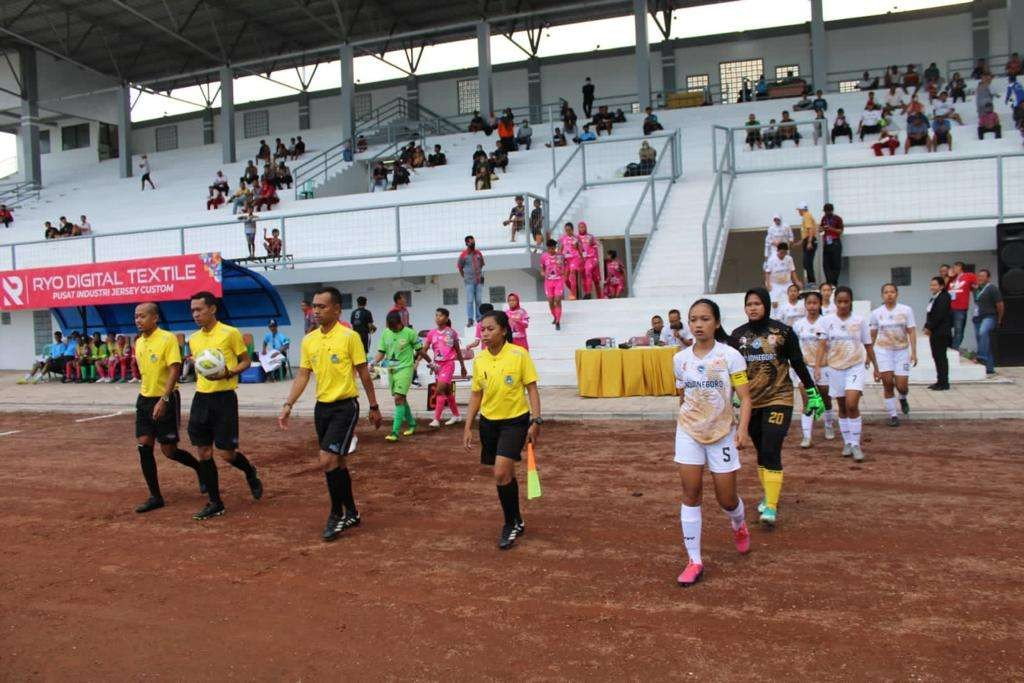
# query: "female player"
{"type": "Point", "coordinates": [707, 373]}
{"type": "Point", "coordinates": [503, 378]}
{"type": "Point", "coordinates": [792, 309]}
{"type": "Point", "coordinates": [444, 342]}
{"type": "Point", "coordinates": [770, 349]}
{"type": "Point", "coordinates": [847, 350]}
{"type": "Point", "coordinates": [554, 281]}
{"type": "Point", "coordinates": [614, 276]}
{"type": "Point", "coordinates": [519, 319]}
{"type": "Point", "coordinates": [572, 259]}
{"type": "Point", "coordinates": [828, 307]}
{"type": "Point", "coordinates": [894, 337]}
{"type": "Point", "coordinates": [811, 334]}
{"type": "Point", "coordinates": [400, 346]}
{"type": "Point", "coordinates": [590, 250]}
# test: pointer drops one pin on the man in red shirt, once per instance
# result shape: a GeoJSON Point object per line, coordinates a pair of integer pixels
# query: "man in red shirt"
{"type": "Point", "coordinates": [960, 287]}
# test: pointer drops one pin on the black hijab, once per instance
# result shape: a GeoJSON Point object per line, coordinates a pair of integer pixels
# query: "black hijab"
{"type": "Point", "coordinates": [766, 299]}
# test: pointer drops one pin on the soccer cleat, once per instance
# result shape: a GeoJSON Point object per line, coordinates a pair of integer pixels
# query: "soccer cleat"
{"type": "Point", "coordinates": [830, 432]}
{"type": "Point", "coordinates": [858, 454]}
{"type": "Point", "coordinates": [350, 520]}
{"type": "Point", "coordinates": [409, 432]}
{"type": "Point", "coordinates": [392, 437]}
{"type": "Point", "coordinates": [847, 450]}
{"type": "Point", "coordinates": [690, 575]}
{"type": "Point", "coordinates": [211, 510]}
{"type": "Point", "coordinates": [742, 538]}
{"type": "Point", "coordinates": [509, 532]}
{"type": "Point", "coordinates": [520, 527]}
{"type": "Point", "coordinates": [255, 485]}
{"type": "Point", "coordinates": [333, 528]}
{"type": "Point", "coordinates": [153, 503]}
{"type": "Point", "coordinates": [762, 505]}
{"type": "Point", "coordinates": [453, 420]}
{"type": "Point", "coordinates": [768, 516]}
{"type": "Point", "coordinates": [893, 421]}
{"type": "Point", "coordinates": [806, 442]}
{"type": "Point", "coordinates": [558, 326]}
{"type": "Point", "coordinates": [434, 424]}
{"type": "Point", "coordinates": [905, 406]}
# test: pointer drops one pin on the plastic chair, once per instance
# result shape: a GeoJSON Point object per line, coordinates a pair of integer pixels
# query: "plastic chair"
{"type": "Point", "coordinates": [306, 191]}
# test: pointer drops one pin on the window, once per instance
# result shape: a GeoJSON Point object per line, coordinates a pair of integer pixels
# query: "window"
{"type": "Point", "coordinates": [107, 145]}
{"type": "Point", "coordinates": [496, 295]}
{"type": "Point", "coordinates": [450, 295]}
{"type": "Point", "coordinates": [900, 276]}
{"type": "Point", "coordinates": [346, 302]}
{"type": "Point", "coordinates": [849, 86]}
{"type": "Point", "coordinates": [44, 142]}
{"type": "Point", "coordinates": [469, 95]}
{"type": "Point", "coordinates": [42, 330]}
{"type": "Point", "coordinates": [363, 105]}
{"type": "Point", "coordinates": [74, 137]}
{"type": "Point", "coordinates": [166, 138]}
{"type": "Point", "coordinates": [784, 71]}
{"type": "Point", "coordinates": [697, 83]}
{"type": "Point", "coordinates": [5, 318]}
{"type": "Point", "coordinates": [731, 75]}
{"type": "Point", "coordinates": [255, 123]}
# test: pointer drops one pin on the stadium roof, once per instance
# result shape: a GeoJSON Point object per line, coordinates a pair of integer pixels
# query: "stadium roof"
{"type": "Point", "coordinates": [173, 43]}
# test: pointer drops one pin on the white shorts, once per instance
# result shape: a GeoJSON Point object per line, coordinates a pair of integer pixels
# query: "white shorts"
{"type": "Point", "coordinates": [778, 294]}
{"type": "Point", "coordinates": [893, 360]}
{"type": "Point", "coordinates": [850, 379]}
{"type": "Point", "coordinates": [823, 382]}
{"type": "Point", "coordinates": [721, 457]}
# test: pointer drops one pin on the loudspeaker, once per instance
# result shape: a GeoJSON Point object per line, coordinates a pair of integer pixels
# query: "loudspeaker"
{"type": "Point", "coordinates": [1008, 347]}
{"type": "Point", "coordinates": [1010, 260]}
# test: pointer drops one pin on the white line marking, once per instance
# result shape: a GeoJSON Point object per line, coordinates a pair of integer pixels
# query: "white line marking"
{"type": "Point", "coordinates": [16, 431]}
{"type": "Point", "coordinates": [99, 417]}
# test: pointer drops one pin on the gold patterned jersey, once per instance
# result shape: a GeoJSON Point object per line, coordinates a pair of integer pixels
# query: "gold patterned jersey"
{"type": "Point", "coordinates": [707, 383]}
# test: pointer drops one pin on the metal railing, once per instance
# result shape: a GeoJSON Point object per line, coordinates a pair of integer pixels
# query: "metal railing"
{"type": "Point", "coordinates": [12, 194]}
{"type": "Point", "coordinates": [721, 193]}
{"type": "Point", "coordinates": [671, 149]}
{"type": "Point", "coordinates": [965, 65]}
{"type": "Point", "coordinates": [834, 78]}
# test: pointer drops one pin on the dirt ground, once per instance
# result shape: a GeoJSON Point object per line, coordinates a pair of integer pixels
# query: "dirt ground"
{"type": "Point", "coordinates": [909, 566]}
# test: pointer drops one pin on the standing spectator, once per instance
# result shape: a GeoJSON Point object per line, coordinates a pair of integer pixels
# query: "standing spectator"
{"type": "Point", "coordinates": [831, 227]}
{"type": "Point", "coordinates": [507, 133]}
{"type": "Point", "coordinates": [249, 225]}
{"type": "Point", "coordinates": [960, 288]}
{"type": "Point", "coordinates": [362, 322]}
{"type": "Point", "coordinates": [517, 217]}
{"type": "Point", "coordinates": [983, 94]}
{"type": "Point", "coordinates": [272, 243]}
{"type": "Point", "coordinates": [537, 223]}
{"type": "Point", "coordinates": [84, 226]}
{"type": "Point", "coordinates": [379, 177]}
{"type": "Point", "coordinates": [1014, 93]}
{"type": "Point", "coordinates": [988, 122]}
{"type": "Point", "coordinates": [937, 326]}
{"type": "Point", "coordinates": [1014, 66]}
{"type": "Point", "coordinates": [841, 126]}
{"type": "Point", "coordinates": [808, 240]}
{"type": "Point", "coordinates": [988, 315]}
{"type": "Point", "coordinates": [279, 342]}
{"type": "Point", "coordinates": [980, 70]}
{"type": "Point", "coordinates": [588, 97]}
{"type": "Point", "coordinates": [6, 217]}
{"type": "Point", "coordinates": [471, 268]}
{"type": "Point", "coordinates": [524, 136]}
{"type": "Point", "coordinates": [144, 167]}
{"type": "Point", "coordinates": [309, 322]}
{"type": "Point", "coordinates": [820, 127]}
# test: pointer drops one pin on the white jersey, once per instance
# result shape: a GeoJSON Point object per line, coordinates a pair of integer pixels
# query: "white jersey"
{"type": "Point", "coordinates": [779, 270]}
{"type": "Point", "coordinates": [828, 309]}
{"type": "Point", "coordinates": [790, 313]}
{"type": "Point", "coordinates": [893, 326]}
{"type": "Point", "coordinates": [776, 234]}
{"type": "Point", "coordinates": [810, 336]}
{"type": "Point", "coordinates": [668, 338]}
{"type": "Point", "coordinates": [707, 383]}
{"type": "Point", "coordinates": [846, 340]}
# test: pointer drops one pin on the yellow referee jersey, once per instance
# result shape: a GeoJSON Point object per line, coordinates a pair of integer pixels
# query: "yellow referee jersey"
{"type": "Point", "coordinates": [229, 341]}
{"type": "Point", "coordinates": [155, 355]}
{"type": "Point", "coordinates": [503, 378]}
{"type": "Point", "coordinates": [332, 356]}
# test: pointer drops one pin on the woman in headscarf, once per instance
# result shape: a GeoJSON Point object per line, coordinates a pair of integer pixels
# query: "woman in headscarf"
{"type": "Point", "coordinates": [518, 319]}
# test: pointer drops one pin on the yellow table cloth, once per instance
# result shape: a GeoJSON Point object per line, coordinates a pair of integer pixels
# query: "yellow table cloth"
{"type": "Point", "coordinates": [610, 373]}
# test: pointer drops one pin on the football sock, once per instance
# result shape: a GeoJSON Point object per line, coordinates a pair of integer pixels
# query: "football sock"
{"type": "Point", "coordinates": [844, 427]}
{"type": "Point", "coordinates": [760, 475]}
{"type": "Point", "coordinates": [185, 458]}
{"type": "Point", "coordinates": [855, 427]}
{"type": "Point", "coordinates": [439, 401]}
{"type": "Point", "coordinates": [209, 476]}
{"type": "Point", "coordinates": [772, 488]}
{"type": "Point", "coordinates": [148, 464]}
{"type": "Point", "coordinates": [347, 499]}
{"type": "Point", "coordinates": [333, 478]}
{"type": "Point", "coordinates": [516, 515]}
{"type": "Point", "coordinates": [689, 517]}
{"type": "Point", "coordinates": [409, 419]}
{"type": "Point", "coordinates": [242, 463]}
{"type": "Point", "coordinates": [891, 406]}
{"type": "Point", "coordinates": [830, 418]}
{"type": "Point", "coordinates": [737, 515]}
{"type": "Point", "coordinates": [452, 406]}
{"type": "Point", "coordinates": [508, 495]}
{"type": "Point", "coordinates": [396, 421]}
{"type": "Point", "coordinates": [806, 424]}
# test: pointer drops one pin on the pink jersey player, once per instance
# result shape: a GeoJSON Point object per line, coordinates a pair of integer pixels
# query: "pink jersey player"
{"type": "Point", "coordinates": [443, 342]}
{"type": "Point", "coordinates": [519, 320]}
{"type": "Point", "coordinates": [591, 253]}
{"type": "Point", "coordinates": [614, 276]}
{"type": "Point", "coordinates": [554, 281]}
{"type": "Point", "coordinates": [571, 258]}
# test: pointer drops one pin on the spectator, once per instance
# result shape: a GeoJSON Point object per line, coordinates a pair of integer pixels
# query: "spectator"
{"type": "Point", "coordinates": [893, 101]}
{"type": "Point", "coordinates": [275, 340]}
{"type": "Point", "coordinates": [761, 88]}
{"type": "Point", "coordinates": [53, 362]}
{"type": "Point", "coordinates": [308, 316]}
{"type": "Point", "coordinates": [537, 223]}
{"type": "Point", "coordinates": [50, 232]}
{"type": "Point", "coordinates": [251, 174]}
{"type": "Point", "coordinates": [871, 103]}
{"type": "Point", "coordinates": [787, 130]}
{"type": "Point", "coordinates": [1014, 93]}
{"type": "Point", "coordinates": [911, 79]}
{"type": "Point", "coordinates": [587, 135]}
{"type": "Point", "coordinates": [6, 217]}
{"type": "Point", "coordinates": [273, 243]}
{"type": "Point", "coordinates": [215, 200]}
{"type": "Point", "coordinates": [477, 123]}
{"type": "Point", "coordinates": [867, 82]}
{"type": "Point", "coordinates": [479, 159]}
{"type": "Point", "coordinates": [676, 333]}
{"type": "Point", "coordinates": [808, 240]}
{"type": "Point", "coordinates": [620, 116]}
{"type": "Point", "coordinates": [437, 158]}
{"type": "Point", "coordinates": [746, 92]}
{"type": "Point", "coordinates": [588, 97]}
{"type": "Point", "coordinates": [870, 122]}
{"type": "Point", "coordinates": [960, 288]}
{"type": "Point", "coordinates": [980, 70]}
{"type": "Point", "coordinates": [944, 273]}
{"type": "Point", "coordinates": [892, 77]}
{"type": "Point", "coordinates": [471, 267]}
{"type": "Point", "coordinates": [915, 106]}
{"type": "Point", "coordinates": [300, 148]}
{"type": "Point", "coordinates": [831, 229]}
{"type": "Point", "coordinates": [932, 74]}
{"type": "Point", "coordinates": [291, 148]}
{"type": "Point", "coordinates": [146, 171]}
{"type": "Point", "coordinates": [571, 133]}
{"type": "Point", "coordinates": [654, 333]}
{"type": "Point", "coordinates": [819, 103]}
{"type": "Point", "coordinates": [770, 135]}
{"type": "Point", "coordinates": [361, 145]}
{"type": "Point", "coordinates": [820, 126]}
{"type": "Point", "coordinates": [67, 228]}
{"type": "Point", "coordinates": [841, 126]}
{"type": "Point", "coordinates": [651, 123]}
{"type": "Point", "coordinates": [753, 127]}
{"type": "Point", "coordinates": [517, 217]}
{"type": "Point", "coordinates": [400, 175]}
{"type": "Point", "coordinates": [84, 226]}
{"type": "Point", "coordinates": [945, 109]}
{"type": "Point", "coordinates": [362, 322]}
{"type": "Point", "coordinates": [988, 315]}
{"type": "Point", "coordinates": [249, 228]}
{"type": "Point", "coordinates": [983, 94]}
{"type": "Point", "coordinates": [401, 307]}
{"type": "Point", "coordinates": [405, 155]}
{"type": "Point", "coordinates": [917, 133]}
{"type": "Point", "coordinates": [886, 141]}
{"type": "Point", "coordinates": [507, 133]}
{"type": "Point", "coordinates": [378, 177]}
{"type": "Point", "coordinates": [603, 120]}
{"type": "Point", "coordinates": [499, 158]}
{"type": "Point", "coordinates": [569, 121]}
{"type": "Point", "coordinates": [524, 136]}
{"type": "Point", "coordinates": [957, 88]}
{"type": "Point", "coordinates": [280, 151]}
{"type": "Point", "coordinates": [263, 152]}
{"type": "Point", "coordinates": [346, 151]}
{"type": "Point", "coordinates": [284, 175]}
{"type": "Point", "coordinates": [267, 196]}
{"type": "Point", "coordinates": [557, 139]}
{"type": "Point", "coordinates": [492, 123]}
{"type": "Point", "coordinates": [1014, 67]}
{"type": "Point", "coordinates": [241, 196]}
{"type": "Point", "coordinates": [648, 158]}
{"type": "Point", "coordinates": [777, 233]}
{"type": "Point", "coordinates": [419, 158]}
{"type": "Point", "coordinates": [803, 104]}
{"type": "Point", "coordinates": [938, 327]}
{"type": "Point", "coordinates": [988, 122]}
{"type": "Point", "coordinates": [941, 131]}
{"type": "Point", "coordinates": [482, 180]}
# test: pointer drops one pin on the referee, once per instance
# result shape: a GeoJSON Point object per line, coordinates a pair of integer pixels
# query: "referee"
{"type": "Point", "coordinates": [503, 377]}
{"type": "Point", "coordinates": [213, 419]}
{"type": "Point", "coordinates": [158, 407]}
{"type": "Point", "coordinates": [334, 353]}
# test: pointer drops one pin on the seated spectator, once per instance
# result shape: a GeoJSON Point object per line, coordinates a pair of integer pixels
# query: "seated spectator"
{"type": "Point", "coordinates": [651, 123]}
{"type": "Point", "coordinates": [524, 136]}
{"type": "Point", "coordinates": [492, 123]}
{"type": "Point", "coordinates": [84, 226]}
{"type": "Point", "coordinates": [746, 92]}
{"type": "Point", "coordinates": [291, 148]}
{"type": "Point", "coordinates": [264, 151]}
{"type": "Point", "coordinates": [871, 103]}
{"type": "Point", "coordinates": [915, 106]}
{"type": "Point", "coordinates": [841, 126]}
{"type": "Point", "coordinates": [892, 77]}
{"type": "Point", "coordinates": [820, 126]}
{"type": "Point", "coordinates": [870, 122]}
{"type": "Point", "coordinates": [803, 104]}
{"type": "Point", "coordinates": [477, 123]}
{"type": "Point", "coordinates": [6, 217]}
{"type": "Point", "coordinates": [516, 217]}
{"type": "Point", "coordinates": [400, 175]}
{"type": "Point", "coordinates": [957, 88]}
{"type": "Point", "coordinates": [571, 133]}
{"type": "Point", "coordinates": [405, 155]}
{"type": "Point", "coordinates": [67, 228]}
{"type": "Point", "coordinates": [273, 243]}
{"type": "Point", "coordinates": [654, 333]}
{"type": "Point", "coordinates": [619, 116]}
{"type": "Point", "coordinates": [770, 135]}
{"type": "Point", "coordinates": [569, 121]}
{"type": "Point", "coordinates": [754, 132]}
{"type": "Point", "coordinates": [379, 177]}
{"type": "Point", "coordinates": [242, 195]}
{"type": "Point", "coordinates": [280, 151]}
{"type": "Point", "coordinates": [587, 135]}
{"type": "Point", "coordinates": [300, 148]}
{"type": "Point", "coordinates": [867, 82]}
{"type": "Point", "coordinates": [988, 122]}
{"type": "Point", "coordinates": [220, 183]}
{"type": "Point", "coordinates": [1014, 66]}
{"type": "Point", "coordinates": [603, 120]}
{"type": "Point", "coordinates": [482, 179]}
{"type": "Point", "coordinates": [361, 144]}
{"type": "Point", "coordinates": [50, 232]}
{"type": "Point", "coordinates": [284, 175]}
{"type": "Point", "coordinates": [980, 69]}
{"type": "Point", "coordinates": [437, 158]}
{"type": "Point", "coordinates": [761, 88]}
{"type": "Point", "coordinates": [500, 157]}
{"type": "Point", "coordinates": [215, 200]}
{"type": "Point", "coordinates": [941, 129]}
{"type": "Point", "coordinates": [932, 74]}
{"type": "Point", "coordinates": [479, 158]}
{"type": "Point", "coordinates": [911, 79]}
{"type": "Point", "coordinates": [419, 159]}
{"type": "Point", "coordinates": [893, 101]}
{"type": "Point", "coordinates": [251, 174]}
{"type": "Point", "coordinates": [944, 108]}
{"type": "Point", "coordinates": [787, 130]}
{"type": "Point", "coordinates": [648, 158]}
{"type": "Point", "coordinates": [563, 108]}
{"type": "Point", "coordinates": [507, 133]}
{"type": "Point", "coordinates": [557, 139]}
{"type": "Point", "coordinates": [267, 196]}
{"type": "Point", "coordinates": [819, 103]}
{"type": "Point", "coordinates": [886, 140]}
{"type": "Point", "coordinates": [270, 175]}
{"type": "Point", "coordinates": [917, 133]}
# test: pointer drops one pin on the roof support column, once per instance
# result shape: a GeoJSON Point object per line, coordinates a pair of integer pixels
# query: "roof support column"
{"type": "Point", "coordinates": [819, 47]}
{"type": "Point", "coordinates": [208, 138]}
{"type": "Point", "coordinates": [304, 110]}
{"type": "Point", "coordinates": [346, 55]}
{"type": "Point", "coordinates": [124, 131]}
{"type": "Point", "coordinates": [412, 97]}
{"type": "Point", "coordinates": [643, 54]}
{"type": "Point", "coordinates": [483, 49]}
{"type": "Point", "coordinates": [533, 88]}
{"type": "Point", "coordinates": [29, 133]}
{"type": "Point", "coordinates": [227, 115]}
{"type": "Point", "coordinates": [668, 67]}
{"type": "Point", "coordinates": [1014, 25]}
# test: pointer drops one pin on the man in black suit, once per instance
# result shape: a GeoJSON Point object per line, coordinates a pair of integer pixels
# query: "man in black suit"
{"type": "Point", "coordinates": [939, 328]}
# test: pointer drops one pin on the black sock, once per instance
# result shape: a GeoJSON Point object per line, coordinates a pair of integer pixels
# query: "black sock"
{"type": "Point", "coordinates": [185, 458]}
{"type": "Point", "coordinates": [242, 463]}
{"type": "Point", "coordinates": [148, 464]}
{"type": "Point", "coordinates": [345, 490]}
{"type": "Point", "coordinates": [508, 494]}
{"type": "Point", "coordinates": [334, 487]}
{"type": "Point", "coordinates": [515, 498]}
{"type": "Point", "coordinates": [208, 475]}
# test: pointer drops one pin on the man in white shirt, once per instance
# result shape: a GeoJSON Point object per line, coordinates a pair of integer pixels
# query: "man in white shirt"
{"type": "Point", "coordinates": [84, 226]}
{"type": "Point", "coordinates": [676, 332]}
{"type": "Point", "coordinates": [779, 273]}
{"type": "Point", "coordinates": [144, 167]}
{"type": "Point", "coordinates": [870, 122]}
{"type": "Point", "coordinates": [944, 108]}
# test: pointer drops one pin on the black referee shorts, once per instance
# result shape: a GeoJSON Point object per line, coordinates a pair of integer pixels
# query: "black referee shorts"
{"type": "Point", "coordinates": [164, 430]}
{"type": "Point", "coordinates": [768, 429]}
{"type": "Point", "coordinates": [213, 420]}
{"type": "Point", "coordinates": [335, 424]}
{"type": "Point", "coordinates": [503, 437]}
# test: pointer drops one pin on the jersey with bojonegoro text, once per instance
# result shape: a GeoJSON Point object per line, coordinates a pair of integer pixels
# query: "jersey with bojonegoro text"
{"type": "Point", "coordinates": [893, 326]}
{"type": "Point", "coordinates": [706, 412]}
{"type": "Point", "coordinates": [846, 341]}
{"type": "Point", "coordinates": [768, 349]}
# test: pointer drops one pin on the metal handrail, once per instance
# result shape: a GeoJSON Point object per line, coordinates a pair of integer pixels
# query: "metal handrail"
{"type": "Point", "coordinates": [656, 209]}
{"type": "Point", "coordinates": [963, 64]}
{"type": "Point", "coordinates": [835, 77]}
{"type": "Point", "coordinates": [16, 191]}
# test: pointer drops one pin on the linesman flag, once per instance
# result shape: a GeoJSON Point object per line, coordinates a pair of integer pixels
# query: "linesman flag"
{"type": "Point", "coordinates": [532, 477]}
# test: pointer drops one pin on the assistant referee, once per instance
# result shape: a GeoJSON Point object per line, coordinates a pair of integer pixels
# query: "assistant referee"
{"type": "Point", "coordinates": [334, 353]}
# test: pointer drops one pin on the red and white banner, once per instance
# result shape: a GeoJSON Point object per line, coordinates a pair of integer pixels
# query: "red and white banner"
{"type": "Point", "coordinates": [168, 278]}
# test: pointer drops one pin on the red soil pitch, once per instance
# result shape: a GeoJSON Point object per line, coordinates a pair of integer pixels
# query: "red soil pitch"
{"type": "Point", "coordinates": [908, 566]}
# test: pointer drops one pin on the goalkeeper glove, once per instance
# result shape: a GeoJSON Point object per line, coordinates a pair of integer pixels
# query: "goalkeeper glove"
{"type": "Point", "coordinates": [815, 405]}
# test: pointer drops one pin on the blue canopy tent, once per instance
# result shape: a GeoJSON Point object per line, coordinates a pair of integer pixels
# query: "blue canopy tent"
{"type": "Point", "coordinates": [249, 300]}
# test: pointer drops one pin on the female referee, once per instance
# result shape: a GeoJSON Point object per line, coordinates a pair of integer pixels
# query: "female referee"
{"type": "Point", "coordinates": [503, 377]}
{"type": "Point", "coordinates": [707, 373]}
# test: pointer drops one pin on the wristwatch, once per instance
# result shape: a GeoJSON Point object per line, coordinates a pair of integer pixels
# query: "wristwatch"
{"type": "Point", "coordinates": [375, 407]}
{"type": "Point", "coordinates": [165, 398]}
{"type": "Point", "coordinates": [537, 421]}
{"type": "Point", "coordinates": [287, 405]}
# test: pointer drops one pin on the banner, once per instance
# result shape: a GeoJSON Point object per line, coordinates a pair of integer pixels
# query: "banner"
{"type": "Point", "coordinates": [166, 278]}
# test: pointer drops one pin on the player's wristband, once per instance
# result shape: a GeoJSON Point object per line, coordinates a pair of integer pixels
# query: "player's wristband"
{"type": "Point", "coordinates": [373, 408]}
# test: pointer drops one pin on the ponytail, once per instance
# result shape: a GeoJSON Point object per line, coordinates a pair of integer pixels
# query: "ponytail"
{"type": "Point", "coordinates": [501, 318]}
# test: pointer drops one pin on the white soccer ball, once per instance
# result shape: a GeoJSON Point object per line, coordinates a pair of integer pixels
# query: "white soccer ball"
{"type": "Point", "coordinates": [210, 363]}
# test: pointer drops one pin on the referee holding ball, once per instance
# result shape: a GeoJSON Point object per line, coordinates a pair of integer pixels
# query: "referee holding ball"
{"type": "Point", "coordinates": [334, 353]}
{"type": "Point", "coordinates": [503, 376]}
